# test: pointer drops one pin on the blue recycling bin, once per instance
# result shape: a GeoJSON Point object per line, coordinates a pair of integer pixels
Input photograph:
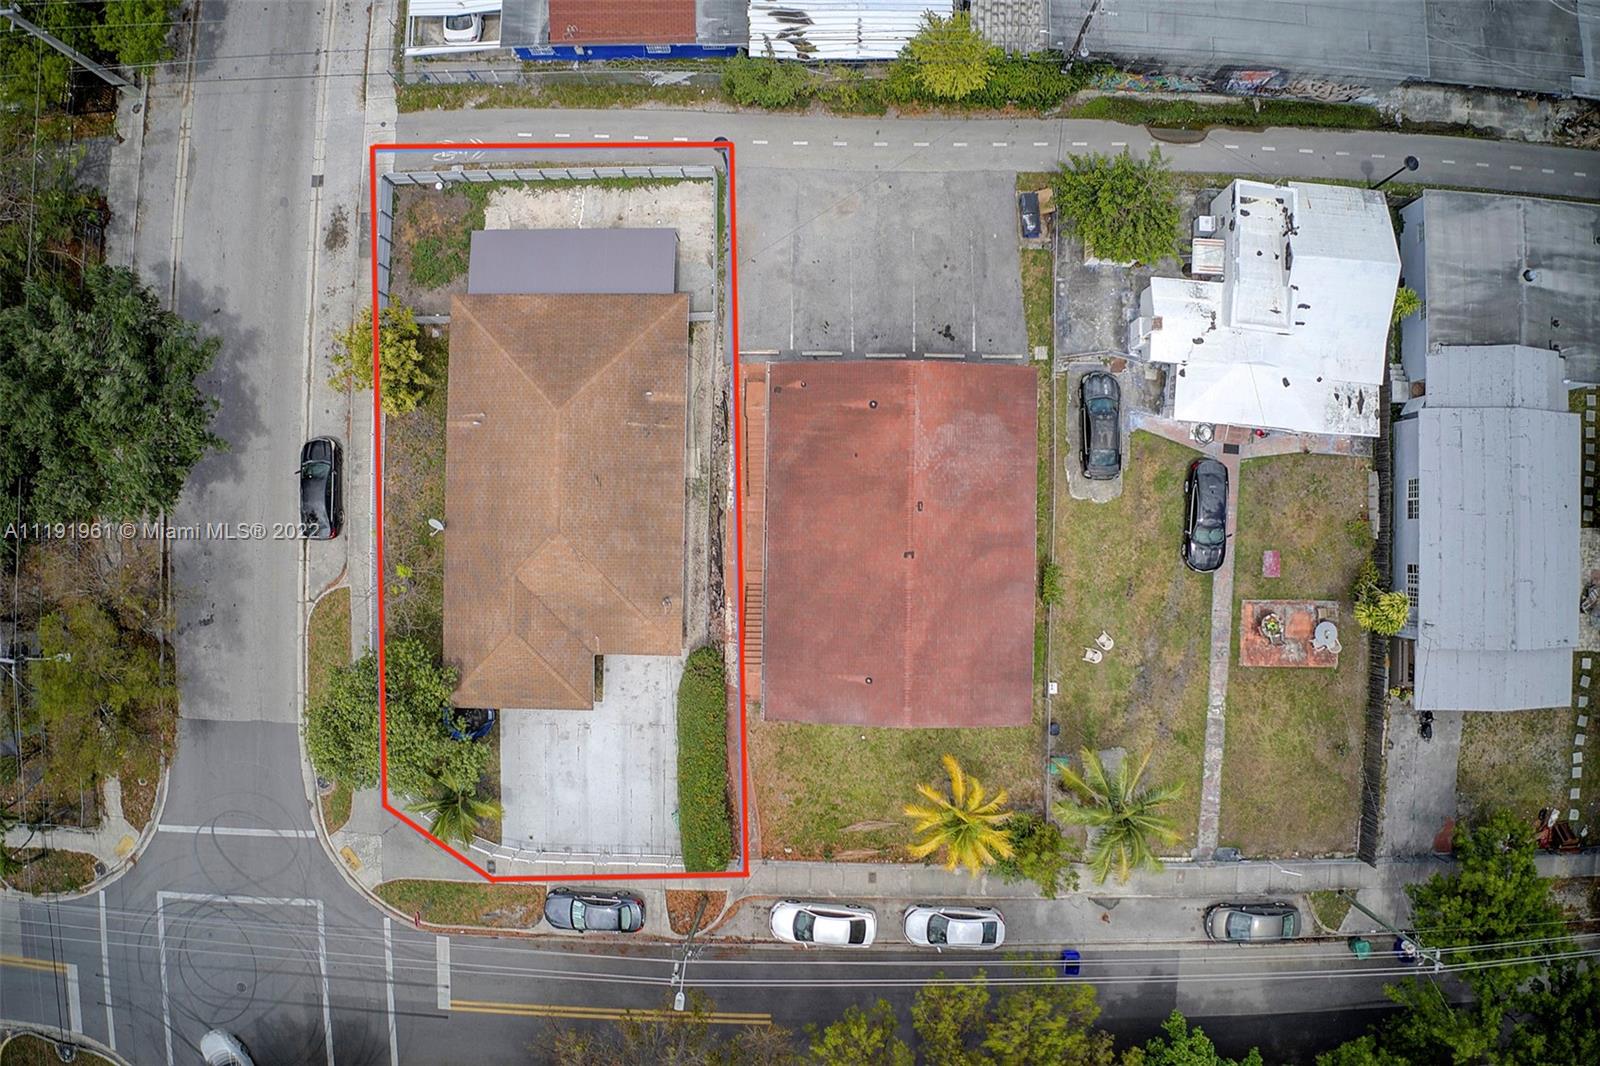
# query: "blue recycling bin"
{"type": "Point", "coordinates": [1071, 962]}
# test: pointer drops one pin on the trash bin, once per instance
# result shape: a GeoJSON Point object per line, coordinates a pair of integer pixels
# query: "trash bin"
{"type": "Point", "coordinates": [1360, 947]}
{"type": "Point", "coordinates": [1071, 962]}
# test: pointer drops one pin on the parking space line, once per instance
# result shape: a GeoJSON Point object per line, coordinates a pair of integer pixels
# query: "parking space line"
{"type": "Point", "coordinates": [441, 964]}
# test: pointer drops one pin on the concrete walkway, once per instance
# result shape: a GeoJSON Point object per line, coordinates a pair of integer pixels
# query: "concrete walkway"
{"type": "Point", "coordinates": [113, 842]}
{"type": "Point", "coordinates": [1217, 684]}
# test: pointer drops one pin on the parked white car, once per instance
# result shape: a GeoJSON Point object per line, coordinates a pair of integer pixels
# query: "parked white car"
{"type": "Point", "coordinates": [959, 928]}
{"type": "Point", "coordinates": [221, 1048]}
{"type": "Point", "coordinates": [842, 925]}
{"type": "Point", "coordinates": [463, 29]}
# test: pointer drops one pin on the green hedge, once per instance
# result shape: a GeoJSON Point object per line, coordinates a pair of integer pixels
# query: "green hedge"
{"type": "Point", "coordinates": [704, 821]}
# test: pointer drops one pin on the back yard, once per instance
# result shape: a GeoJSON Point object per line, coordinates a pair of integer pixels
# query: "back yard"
{"type": "Point", "coordinates": [1291, 771]}
{"type": "Point", "coordinates": [1122, 573]}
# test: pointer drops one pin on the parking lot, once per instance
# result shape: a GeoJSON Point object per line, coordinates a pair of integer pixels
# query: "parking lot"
{"type": "Point", "coordinates": [903, 263]}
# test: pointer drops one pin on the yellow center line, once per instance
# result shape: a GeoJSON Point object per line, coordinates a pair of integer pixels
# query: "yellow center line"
{"type": "Point", "coordinates": [601, 1014]}
{"type": "Point", "coordinates": [32, 964]}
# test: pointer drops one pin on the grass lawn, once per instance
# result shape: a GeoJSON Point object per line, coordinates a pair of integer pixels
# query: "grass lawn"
{"type": "Point", "coordinates": [1518, 760]}
{"type": "Point", "coordinates": [1291, 771]}
{"type": "Point", "coordinates": [52, 871]}
{"type": "Point", "coordinates": [836, 792]}
{"type": "Point", "coordinates": [413, 492]}
{"type": "Point", "coordinates": [1330, 909]}
{"type": "Point", "coordinates": [466, 903]}
{"type": "Point", "coordinates": [25, 1049]}
{"type": "Point", "coordinates": [1122, 573]}
{"type": "Point", "coordinates": [327, 648]}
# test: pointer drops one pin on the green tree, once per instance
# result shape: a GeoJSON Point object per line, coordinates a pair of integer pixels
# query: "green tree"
{"type": "Point", "coordinates": [134, 33]}
{"type": "Point", "coordinates": [1491, 906]}
{"type": "Point", "coordinates": [1039, 853]}
{"type": "Point", "coordinates": [1377, 609]}
{"type": "Point", "coordinates": [342, 726]}
{"type": "Point", "coordinates": [1545, 1011]}
{"type": "Point", "coordinates": [966, 822]}
{"type": "Point", "coordinates": [1184, 1045]}
{"type": "Point", "coordinates": [950, 1020]}
{"type": "Point", "coordinates": [457, 808]}
{"type": "Point", "coordinates": [1048, 1025]}
{"type": "Point", "coordinates": [1123, 817]}
{"type": "Point", "coordinates": [705, 826]}
{"type": "Point", "coordinates": [1124, 209]}
{"type": "Point", "coordinates": [861, 1038]}
{"type": "Point", "coordinates": [951, 59]}
{"type": "Point", "coordinates": [671, 1038]}
{"type": "Point", "coordinates": [1364, 1051]}
{"type": "Point", "coordinates": [110, 704]}
{"type": "Point", "coordinates": [761, 81]}
{"type": "Point", "coordinates": [100, 414]}
{"type": "Point", "coordinates": [402, 360]}
{"type": "Point", "coordinates": [43, 210]}
{"type": "Point", "coordinates": [1406, 303]}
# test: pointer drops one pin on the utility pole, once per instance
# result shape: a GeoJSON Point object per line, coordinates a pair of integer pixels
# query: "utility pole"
{"type": "Point", "coordinates": [680, 965]}
{"type": "Point", "coordinates": [1430, 954]}
{"type": "Point", "coordinates": [105, 74]}
{"type": "Point", "coordinates": [1073, 53]}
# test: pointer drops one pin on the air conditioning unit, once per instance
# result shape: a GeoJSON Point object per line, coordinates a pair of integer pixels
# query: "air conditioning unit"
{"type": "Point", "coordinates": [1205, 225]}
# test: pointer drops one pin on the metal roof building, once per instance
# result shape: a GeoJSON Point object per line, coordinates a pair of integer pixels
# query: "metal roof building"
{"type": "Point", "coordinates": [614, 29]}
{"type": "Point", "coordinates": [1486, 529]}
{"type": "Point", "coordinates": [1497, 269]}
{"type": "Point", "coordinates": [836, 29]}
{"type": "Point", "coordinates": [900, 543]}
{"type": "Point", "coordinates": [573, 261]}
{"type": "Point", "coordinates": [1536, 47]}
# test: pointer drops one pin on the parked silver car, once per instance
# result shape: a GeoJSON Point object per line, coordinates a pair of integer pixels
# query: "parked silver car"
{"type": "Point", "coordinates": [1247, 923]}
{"type": "Point", "coordinates": [959, 928]}
{"type": "Point", "coordinates": [840, 925]}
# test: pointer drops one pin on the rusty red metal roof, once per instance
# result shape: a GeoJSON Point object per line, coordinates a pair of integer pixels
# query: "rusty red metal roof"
{"type": "Point", "coordinates": [900, 544]}
{"type": "Point", "coordinates": [622, 21]}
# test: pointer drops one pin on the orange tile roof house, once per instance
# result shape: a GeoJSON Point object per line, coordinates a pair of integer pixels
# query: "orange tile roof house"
{"type": "Point", "coordinates": [564, 491]}
{"type": "Point", "coordinates": [900, 543]}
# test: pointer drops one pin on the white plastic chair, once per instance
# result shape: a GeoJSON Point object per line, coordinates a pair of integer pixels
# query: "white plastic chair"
{"type": "Point", "coordinates": [1105, 641]}
{"type": "Point", "coordinates": [1092, 655]}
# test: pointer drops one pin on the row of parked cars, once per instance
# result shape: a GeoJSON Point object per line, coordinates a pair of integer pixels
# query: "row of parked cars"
{"type": "Point", "coordinates": [1205, 489]}
{"type": "Point", "coordinates": [927, 925]}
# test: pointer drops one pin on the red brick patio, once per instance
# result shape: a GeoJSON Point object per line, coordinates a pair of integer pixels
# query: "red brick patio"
{"type": "Point", "coordinates": [1300, 618]}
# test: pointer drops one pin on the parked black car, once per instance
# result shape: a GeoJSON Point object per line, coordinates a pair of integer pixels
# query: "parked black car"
{"type": "Point", "coordinates": [321, 489]}
{"type": "Point", "coordinates": [1100, 425]}
{"type": "Point", "coordinates": [1028, 214]}
{"type": "Point", "coordinates": [594, 912]}
{"type": "Point", "coordinates": [1205, 516]}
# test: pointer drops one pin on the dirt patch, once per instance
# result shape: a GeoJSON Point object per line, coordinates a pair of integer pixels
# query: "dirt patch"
{"type": "Point", "coordinates": [682, 905]}
{"type": "Point", "coordinates": [1516, 760]}
{"type": "Point", "coordinates": [431, 243]}
{"type": "Point", "coordinates": [139, 799]}
{"type": "Point", "coordinates": [457, 903]}
{"type": "Point", "coordinates": [413, 492]}
{"type": "Point", "coordinates": [338, 234]}
{"type": "Point", "coordinates": [45, 872]}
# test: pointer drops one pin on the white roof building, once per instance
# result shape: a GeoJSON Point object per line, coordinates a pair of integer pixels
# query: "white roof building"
{"type": "Point", "coordinates": [840, 30]}
{"type": "Point", "coordinates": [1293, 337]}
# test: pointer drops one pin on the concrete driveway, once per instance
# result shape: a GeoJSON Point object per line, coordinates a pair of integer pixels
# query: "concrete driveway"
{"type": "Point", "coordinates": [892, 263]}
{"type": "Point", "coordinates": [601, 782]}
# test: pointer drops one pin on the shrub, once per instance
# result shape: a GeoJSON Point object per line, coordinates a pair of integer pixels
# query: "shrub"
{"type": "Point", "coordinates": [1039, 853]}
{"type": "Point", "coordinates": [1377, 609]}
{"type": "Point", "coordinates": [402, 361]}
{"type": "Point", "coordinates": [1406, 303]}
{"type": "Point", "coordinates": [951, 59]}
{"type": "Point", "coordinates": [1125, 209]}
{"type": "Point", "coordinates": [1051, 591]}
{"type": "Point", "coordinates": [760, 81]}
{"type": "Point", "coordinates": [342, 725]}
{"type": "Point", "coordinates": [1035, 82]}
{"type": "Point", "coordinates": [704, 823]}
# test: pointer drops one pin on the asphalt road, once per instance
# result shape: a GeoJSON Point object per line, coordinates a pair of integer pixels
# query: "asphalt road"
{"type": "Point", "coordinates": [943, 145]}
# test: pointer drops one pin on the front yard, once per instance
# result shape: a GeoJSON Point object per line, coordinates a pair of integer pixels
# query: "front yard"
{"type": "Point", "coordinates": [1291, 772]}
{"type": "Point", "coordinates": [836, 792]}
{"type": "Point", "coordinates": [1123, 574]}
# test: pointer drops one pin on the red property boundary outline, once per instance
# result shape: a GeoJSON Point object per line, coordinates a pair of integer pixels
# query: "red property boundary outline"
{"type": "Point", "coordinates": [727, 148]}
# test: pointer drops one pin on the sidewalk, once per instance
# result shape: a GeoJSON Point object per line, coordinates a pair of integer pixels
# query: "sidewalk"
{"type": "Point", "coordinates": [114, 842]}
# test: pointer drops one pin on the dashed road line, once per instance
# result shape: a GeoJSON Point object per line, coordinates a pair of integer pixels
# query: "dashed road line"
{"type": "Point", "coordinates": [880, 144]}
{"type": "Point", "coordinates": [841, 144]}
{"type": "Point", "coordinates": [1119, 144]}
{"type": "Point", "coordinates": [919, 144]}
{"type": "Point", "coordinates": [1041, 144]}
{"type": "Point", "coordinates": [958, 144]}
{"type": "Point", "coordinates": [1268, 148]}
{"type": "Point", "coordinates": [519, 135]}
{"type": "Point", "coordinates": [1580, 173]}
{"type": "Point", "coordinates": [1341, 153]}
{"type": "Point", "coordinates": [1515, 167]}
{"type": "Point", "coordinates": [602, 136]}
{"type": "Point", "coordinates": [641, 137]}
{"type": "Point", "coordinates": [758, 142]}
{"type": "Point", "coordinates": [563, 136]}
{"type": "Point", "coordinates": [1231, 147]}
{"type": "Point", "coordinates": [1480, 164]}
{"type": "Point", "coordinates": [1547, 170]}
{"type": "Point", "coordinates": [1379, 155]}
{"type": "Point", "coordinates": [1080, 144]}
{"type": "Point", "coordinates": [997, 144]}
{"type": "Point", "coordinates": [800, 144]}
{"type": "Point", "coordinates": [1448, 162]}
{"type": "Point", "coordinates": [1307, 151]}
{"type": "Point", "coordinates": [680, 138]}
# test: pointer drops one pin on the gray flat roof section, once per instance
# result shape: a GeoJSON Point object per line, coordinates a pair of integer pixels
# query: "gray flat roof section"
{"type": "Point", "coordinates": [1498, 552]}
{"type": "Point", "coordinates": [1514, 270]}
{"type": "Point", "coordinates": [546, 261]}
{"type": "Point", "coordinates": [1528, 46]}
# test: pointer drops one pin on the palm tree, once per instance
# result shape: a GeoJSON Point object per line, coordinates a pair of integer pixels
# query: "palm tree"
{"type": "Point", "coordinates": [965, 823]}
{"type": "Point", "coordinates": [1122, 816]}
{"type": "Point", "coordinates": [457, 809]}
